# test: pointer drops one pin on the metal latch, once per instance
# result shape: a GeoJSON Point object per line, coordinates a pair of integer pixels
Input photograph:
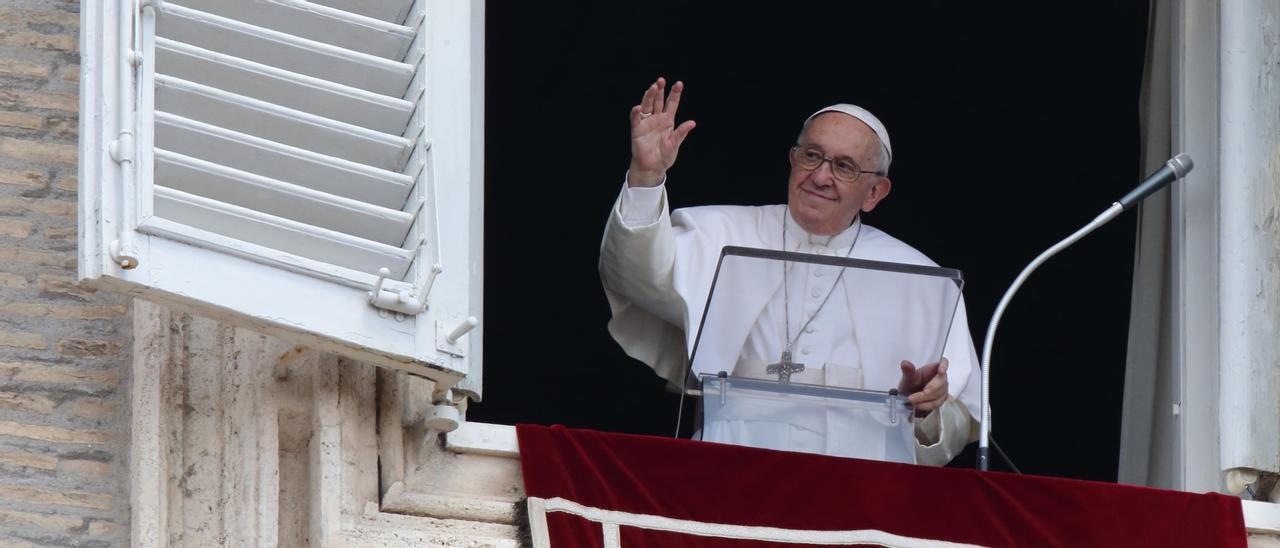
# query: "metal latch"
{"type": "Point", "coordinates": [402, 302]}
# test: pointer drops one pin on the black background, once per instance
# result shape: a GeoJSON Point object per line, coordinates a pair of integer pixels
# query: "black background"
{"type": "Point", "coordinates": [1011, 125]}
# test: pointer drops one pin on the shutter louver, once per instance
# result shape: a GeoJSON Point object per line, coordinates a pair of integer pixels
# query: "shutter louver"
{"type": "Point", "coordinates": [295, 91]}
{"type": "Point", "coordinates": [297, 136]}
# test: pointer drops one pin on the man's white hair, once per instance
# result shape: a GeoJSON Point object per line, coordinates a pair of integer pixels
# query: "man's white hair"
{"type": "Point", "coordinates": [885, 157]}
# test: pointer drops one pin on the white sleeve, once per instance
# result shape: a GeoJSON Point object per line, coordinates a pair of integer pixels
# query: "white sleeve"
{"type": "Point", "coordinates": [641, 206]}
{"type": "Point", "coordinates": [942, 434]}
{"type": "Point", "coordinates": [637, 262]}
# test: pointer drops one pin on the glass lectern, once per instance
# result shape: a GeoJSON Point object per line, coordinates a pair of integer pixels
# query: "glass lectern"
{"type": "Point", "coordinates": [801, 352]}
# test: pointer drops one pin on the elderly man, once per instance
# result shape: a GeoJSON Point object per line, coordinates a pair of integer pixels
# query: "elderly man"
{"type": "Point", "coordinates": [654, 263]}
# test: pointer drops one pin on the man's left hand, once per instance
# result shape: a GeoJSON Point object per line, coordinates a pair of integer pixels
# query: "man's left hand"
{"type": "Point", "coordinates": [925, 387]}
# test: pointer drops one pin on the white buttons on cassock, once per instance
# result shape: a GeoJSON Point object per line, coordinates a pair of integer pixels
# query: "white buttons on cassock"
{"type": "Point", "coordinates": [809, 329]}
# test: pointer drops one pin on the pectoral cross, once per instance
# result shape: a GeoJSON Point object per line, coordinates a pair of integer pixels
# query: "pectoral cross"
{"type": "Point", "coordinates": [784, 368]}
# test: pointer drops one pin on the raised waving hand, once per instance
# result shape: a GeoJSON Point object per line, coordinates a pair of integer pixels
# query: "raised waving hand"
{"type": "Point", "coordinates": [655, 139]}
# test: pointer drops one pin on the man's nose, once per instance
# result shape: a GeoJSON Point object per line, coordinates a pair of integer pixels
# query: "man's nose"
{"type": "Point", "coordinates": [822, 174]}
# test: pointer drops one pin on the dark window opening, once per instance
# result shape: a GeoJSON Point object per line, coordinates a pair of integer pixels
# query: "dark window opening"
{"type": "Point", "coordinates": [1011, 128]}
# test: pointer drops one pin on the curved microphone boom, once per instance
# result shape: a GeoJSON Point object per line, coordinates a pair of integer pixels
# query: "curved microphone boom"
{"type": "Point", "coordinates": [1176, 168]}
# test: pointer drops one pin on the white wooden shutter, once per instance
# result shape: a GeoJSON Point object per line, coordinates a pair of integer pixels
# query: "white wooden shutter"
{"type": "Point", "coordinates": [263, 161]}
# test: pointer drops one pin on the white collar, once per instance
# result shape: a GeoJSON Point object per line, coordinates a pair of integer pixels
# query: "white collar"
{"type": "Point", "coordinates": [841, 240]}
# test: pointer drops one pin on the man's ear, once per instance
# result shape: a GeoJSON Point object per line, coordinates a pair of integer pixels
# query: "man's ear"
{"type": "Point", "coordinates": [878, 192]}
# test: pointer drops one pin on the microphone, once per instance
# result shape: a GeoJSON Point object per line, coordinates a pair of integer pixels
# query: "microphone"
{"type": "Point", "coordinates": [1176, 168]}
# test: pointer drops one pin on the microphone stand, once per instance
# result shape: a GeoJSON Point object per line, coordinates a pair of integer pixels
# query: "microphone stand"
{"type": "Point", "coordinates": [1174, 169]}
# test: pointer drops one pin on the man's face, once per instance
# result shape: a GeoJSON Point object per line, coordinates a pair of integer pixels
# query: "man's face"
{"type": "Point", "coordinates": [819, 202]}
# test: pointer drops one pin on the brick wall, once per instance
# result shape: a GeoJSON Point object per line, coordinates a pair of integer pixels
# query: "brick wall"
{"type": "Point", "coordinates": [63, 348]}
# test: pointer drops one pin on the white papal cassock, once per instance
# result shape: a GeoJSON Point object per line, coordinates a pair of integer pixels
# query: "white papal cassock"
{"type": "Point", "coordinates": [657, 269]}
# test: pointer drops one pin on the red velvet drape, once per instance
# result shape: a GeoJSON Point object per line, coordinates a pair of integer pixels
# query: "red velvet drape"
{"type": "Point", "coordinates": [725, 484]}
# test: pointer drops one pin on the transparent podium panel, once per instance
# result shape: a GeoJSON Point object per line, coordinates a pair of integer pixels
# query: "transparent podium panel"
{"type": "Point", "coordinates": [826, 420]}
{"type": "Point", "coordinates": [822, 337]}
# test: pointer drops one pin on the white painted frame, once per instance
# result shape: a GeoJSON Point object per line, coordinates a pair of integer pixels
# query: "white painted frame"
{"type": "Point", "coordinates": [1195, 246]}
{"type": "Point", "coordinates": [321, 306]}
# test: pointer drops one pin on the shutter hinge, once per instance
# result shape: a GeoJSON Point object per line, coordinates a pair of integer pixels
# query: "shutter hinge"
{"type": "Point", "coordinates": [122, 249]}
{"type": "Point", "coordinates": [126, 259]}
{"type": "Point", "coordinates": [122, 147]}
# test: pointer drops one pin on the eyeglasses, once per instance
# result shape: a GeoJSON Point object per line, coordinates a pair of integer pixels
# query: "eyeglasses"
{"type": "Point", "coordinates": [843, 169]}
